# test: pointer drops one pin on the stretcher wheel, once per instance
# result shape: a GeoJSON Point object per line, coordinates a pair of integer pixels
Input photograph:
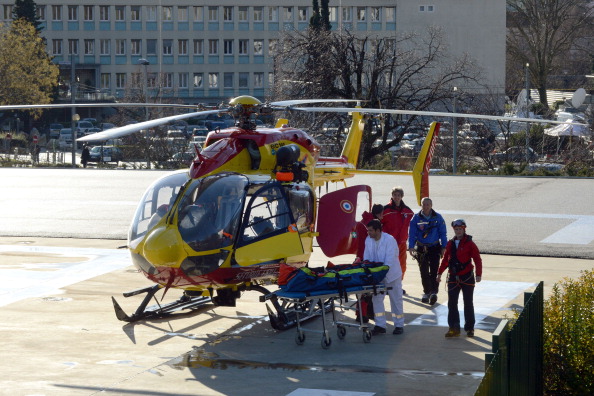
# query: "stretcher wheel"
{"type": "Point", "coordinates": [341, 332]}
{"type": "Point", "coordinates": [367, 336]}
{"type": "Point", "coordinates": [300, 338]}
{"type": "Point", "coordinates": [326, 342]}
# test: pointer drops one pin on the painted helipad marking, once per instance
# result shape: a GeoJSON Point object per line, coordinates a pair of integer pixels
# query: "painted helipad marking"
{"type": "Point", "coordinates": [579, 232]}
{"type": "Point", "coordinates": [39, 279]}
{"type": "Point", "coordinates": [489, 296]}
{"type": "Point", "coordinates": [324, 392]}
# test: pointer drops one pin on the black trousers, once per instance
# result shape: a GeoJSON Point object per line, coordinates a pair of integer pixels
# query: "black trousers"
{"type": "Point", "coordinates": [464, 283]}
{"type": "Point", "coordinates": [428, 264]}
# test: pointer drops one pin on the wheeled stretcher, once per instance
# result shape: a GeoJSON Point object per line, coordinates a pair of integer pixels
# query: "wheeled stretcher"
{"type": "Point", "coordinates": [303, 305]}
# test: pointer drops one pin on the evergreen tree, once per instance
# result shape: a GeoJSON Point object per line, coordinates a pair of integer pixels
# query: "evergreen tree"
{"type": "Point", "coordinates": [27, 10]}
{"type": "Point", "coordinates": [315, 21]}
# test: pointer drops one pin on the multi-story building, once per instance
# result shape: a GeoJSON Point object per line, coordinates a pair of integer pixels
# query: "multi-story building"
{"type": "Point", "coordinates": [205, 52]}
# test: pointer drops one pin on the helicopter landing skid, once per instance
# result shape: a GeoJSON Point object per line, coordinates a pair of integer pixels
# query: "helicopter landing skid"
{"type": "Point", "coordinates": [290, 314]}
{"type": "Point", "coordinates": [157, 310]}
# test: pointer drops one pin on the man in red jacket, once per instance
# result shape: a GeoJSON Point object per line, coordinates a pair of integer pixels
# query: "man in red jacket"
{"type": "Point", "coordinates": [396, 221]}
{"type": "Point", "coordinates": [460, 252]}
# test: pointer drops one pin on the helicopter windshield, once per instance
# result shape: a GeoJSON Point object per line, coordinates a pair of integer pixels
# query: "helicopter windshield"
{"type": "Point", "coordinates": [155, 203]}
{"type": "Point", "coordinates": [209, 213]}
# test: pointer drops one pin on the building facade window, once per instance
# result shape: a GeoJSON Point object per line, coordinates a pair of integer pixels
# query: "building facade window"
{"type": "Point", "coordinates": [120, 46]}
{"type": "Point", "coordinates": [167, 47]}
{"type": "Point", "coordinates": [390, 14]}
{"type": "Point", "coordinates": [361, 14]}
{"type": "Point", "coordinates": [56, 12]}
{"type": "Point", "coordinates": [182, 47]}
{"type": "Point", "coordinates": [347, 14]}
{"type": "Point", "coordinates": [135, 13]}
{"type": "Point", "coordinates": [333, 14]}
{"type": "Point", "coordinates": [151, 13]}
{"type": "Point", "coordinates": [197, 80]}
{"type": "Point", "coordinates": [272, 46]}
{"type": "Point", "coordinates": [73, 47]}
{"type": "Point", "coordinates": [228, 14]}
{"type": "Point", "coordinates": [135, 46]}
{"type": "Point", "coordinates": [89, 47]}
{"type": "Point", "coordinates": [258, 80]}
{"type": "Point", "coordinates": [244, 80]}
{"type": "Point", "coordinates": [167, 13]}
{"type": "Point", "coordinates": [105, 81]}
{"type": "Point", "coordinates": [57, 47]}
{"type": "Point", "coordinates": [228, 80]}
{"type": "Point", "coordinates": [120, 80]}
{"type": "Point", "coordinates": [198, 14]}
{"type": "Point", "coordinates": [105, 46]}
{"type": "Point", "coordinates": [243, 47]}
{"type": "Point", "coordinates": [167, 80]}
{"type": "Point", "coordinates": [182, 80]}
{"type": "Point", "coordinates": [258, 47]}
{"type": "Point", "coordinates": [73, 13]}
{"type": "Point", "coordinates": [288, 14]}
{"type": "Point", "coordinates": [151, 47]}
{"type": "Point", "coordinates": [213, 14]}
{"type": "Point", "coordinates": [242, 14]}
{"type": "Point", "coordinates": [228, 47]}
{"type": "Point", "coordinates": [302, 14]}
{"type": "Point", "coordinates": [198, 46]}
{"type": "Point", "coordinates": [120, 13]}
{"type": "Point", "coordinates": [213, 80]}
{"type": "Point", "coordinates": [88, 12]}
{"type": "Point", "coordinates": [375, 14]}
{"type": "Point", "coordinates": [272, 14]}
{"type": "Point", "coordinates": [182, 13]}
{"type": "Point", "coordinates": [40, 12]}
{"type": "Point", "coordinates": [213, 47]}
{"type": "Point", "coordinates": [104, 13]}
{"type": "Point", "coordinates": [258, 14]}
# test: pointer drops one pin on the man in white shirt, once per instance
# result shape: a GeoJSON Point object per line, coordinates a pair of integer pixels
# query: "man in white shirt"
{"type": "Point", "coordinates": [382, 247]}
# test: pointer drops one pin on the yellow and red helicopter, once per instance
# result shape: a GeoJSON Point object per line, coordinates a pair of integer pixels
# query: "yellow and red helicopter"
{"type": "Point", "coordinates": [248, 205]}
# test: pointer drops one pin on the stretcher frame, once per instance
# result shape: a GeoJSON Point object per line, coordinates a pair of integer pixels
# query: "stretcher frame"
{"type": "Point", "coordinates": [298, 299]}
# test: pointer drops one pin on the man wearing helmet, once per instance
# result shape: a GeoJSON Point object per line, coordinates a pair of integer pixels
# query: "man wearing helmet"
{"type": "Point", "coordinates": [460, 253]}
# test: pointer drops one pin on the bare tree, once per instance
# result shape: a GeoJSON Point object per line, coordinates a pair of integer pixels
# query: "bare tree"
{"type": "Point", "coordinates": [551, 36]}
{"type": "Point", "coordinates": [408, 71]}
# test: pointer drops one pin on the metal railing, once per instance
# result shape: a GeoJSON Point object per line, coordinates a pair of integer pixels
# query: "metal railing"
{"type": "Point", "coordinates": [516, 364]}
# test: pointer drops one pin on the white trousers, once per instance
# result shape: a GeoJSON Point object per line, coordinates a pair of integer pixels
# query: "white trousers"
{"type": "Point", "coordinates": [396, 304]}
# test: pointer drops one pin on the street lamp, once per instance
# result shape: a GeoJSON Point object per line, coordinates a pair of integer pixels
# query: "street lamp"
{"type": "Point", "coordinates": [144, 62]}
{"type": "Point", "coordinates": [455, 132]}
{"type": "Point", "coordinates": [527, 116]}
{"type": "Point", "coordinates": [75, 119]}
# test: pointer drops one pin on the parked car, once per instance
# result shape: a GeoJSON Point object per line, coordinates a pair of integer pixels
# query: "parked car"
{"type": "Point", "coordinates": [514, 154]}
{"type": "Point", "coordinates": [65, 138]}
{"type": "Point", "coordinates": [106, 125]}
{"type": "Point", "coordinates": [55, 130]}
{"type": "Point", "coordinates": [84, 126]}
{"type": "Point", "coordinates": [108, 154]}
{"type": "Point", "coordinates": [200, 131]}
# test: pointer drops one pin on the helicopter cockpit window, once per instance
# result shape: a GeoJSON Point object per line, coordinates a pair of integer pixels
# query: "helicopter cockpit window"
{"type": "Point", "coordinates": [268, 213]}
{"type": "Point", "coordinates": [301, 199]}
{"type": "Point", "coordinates": [155, 203]}
{"type": "Point", "coordinates": [210, 211]}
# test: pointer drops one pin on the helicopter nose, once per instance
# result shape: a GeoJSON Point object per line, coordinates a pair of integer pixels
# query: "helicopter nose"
{"type": "Point", "coordinates": [163, 247]}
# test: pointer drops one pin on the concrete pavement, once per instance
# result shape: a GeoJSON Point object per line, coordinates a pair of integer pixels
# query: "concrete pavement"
{"type": "Point", "coordinates": [60, 335]}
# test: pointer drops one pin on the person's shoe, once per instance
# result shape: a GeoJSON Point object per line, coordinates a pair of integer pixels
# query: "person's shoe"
{"type": "Point", "coordinates": [452, 333]}
{"type": "Point", "coordinates": [403, 292]}
{"type": "Point", "coordinates": [470, 333]}
{"type": "Point", "coordinates": [433, 299]}
{"type": "Point", "coordinates": [425, 299]}
{"type": "Point", "coordinates": [398, 330]}
{"type": "Point", "coordinates": [378, 330]}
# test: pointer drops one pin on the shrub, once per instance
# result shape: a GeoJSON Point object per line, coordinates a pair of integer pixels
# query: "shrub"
{"type": "Point", "coordinates": [569, 337]}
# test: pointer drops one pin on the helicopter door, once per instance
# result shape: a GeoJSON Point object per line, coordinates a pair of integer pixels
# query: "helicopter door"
{"type": "Point", "coordinates": [338, 217]}
{"type": "Point", "coordinates": [268, 232]}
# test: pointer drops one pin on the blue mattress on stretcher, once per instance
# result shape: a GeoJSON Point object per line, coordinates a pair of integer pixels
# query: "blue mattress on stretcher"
{"type": "Point", "coordinates": [304, 294]}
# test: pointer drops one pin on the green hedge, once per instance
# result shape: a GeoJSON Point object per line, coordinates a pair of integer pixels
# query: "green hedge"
{"type": "Point", "coordinates": [569, 337]}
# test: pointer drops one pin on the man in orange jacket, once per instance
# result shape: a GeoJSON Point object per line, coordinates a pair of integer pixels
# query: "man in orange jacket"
{"type": "Point", "coordinates": [396, 220]}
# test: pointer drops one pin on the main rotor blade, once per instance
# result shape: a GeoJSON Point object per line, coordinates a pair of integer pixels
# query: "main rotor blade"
{"type": "Point", "coordinates": [285, 103]}
{"type": "Point", "coordinates": [132, 128]}
{"type": "Point", "coordinates": [429, 113]}
{"type": "Point", "coordinates": [70, 105]}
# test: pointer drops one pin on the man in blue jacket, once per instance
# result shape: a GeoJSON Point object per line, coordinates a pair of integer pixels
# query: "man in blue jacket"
{"type": "Point", "coordinates": [427, 238]}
